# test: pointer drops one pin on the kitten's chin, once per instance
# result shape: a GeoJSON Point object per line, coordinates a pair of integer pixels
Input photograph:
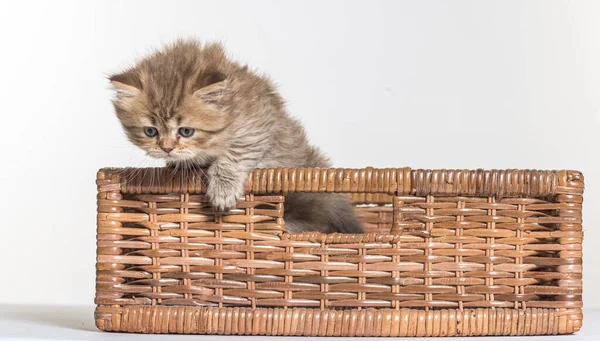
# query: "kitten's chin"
{"type": "Point", "coordinates": [202, 159]}
{"type": "Point", "coordinates": [175, 158]}
{"type": "Point", "coordinates": [168, 157]}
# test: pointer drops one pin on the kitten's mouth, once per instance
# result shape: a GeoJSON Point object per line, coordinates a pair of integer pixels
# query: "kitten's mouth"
{"type": "Point", "coordinates": [177, 157]}
{"type": "Point", "coordinates": [180, 156]}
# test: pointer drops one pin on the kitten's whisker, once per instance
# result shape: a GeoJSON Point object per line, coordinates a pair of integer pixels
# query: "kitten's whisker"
{"type": "Point", "coordinates": [174, 171]}
{"type": "Point", "coordinates": [200, 175]}
{"type": "Point", "coordinates": [151, 178]}
{"type": "Point", "coordinates": [192, 171]}
{"type": "Point", "coordinates": [130, 173]}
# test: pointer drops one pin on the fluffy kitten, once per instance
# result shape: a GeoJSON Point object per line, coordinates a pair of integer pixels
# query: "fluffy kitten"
{"type": "Point", "coordinates": [189, 102]}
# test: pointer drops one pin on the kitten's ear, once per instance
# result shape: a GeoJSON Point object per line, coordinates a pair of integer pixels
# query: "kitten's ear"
{"type": "Point", "coordinates": [126, 85]}
{"type": "Point", "coordinates": [212, 88]}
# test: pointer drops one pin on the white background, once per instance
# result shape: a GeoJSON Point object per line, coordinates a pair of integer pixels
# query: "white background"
{"type": "Point", "coordinates": [425, 84]}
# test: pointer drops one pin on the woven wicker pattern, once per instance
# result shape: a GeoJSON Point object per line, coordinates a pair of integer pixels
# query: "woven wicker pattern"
{"type": "Point", "coordinates": [453, 252]}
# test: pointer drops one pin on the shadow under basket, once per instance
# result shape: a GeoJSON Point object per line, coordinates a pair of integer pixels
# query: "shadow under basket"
{"type": "Point", "coordinates": [444, 253]}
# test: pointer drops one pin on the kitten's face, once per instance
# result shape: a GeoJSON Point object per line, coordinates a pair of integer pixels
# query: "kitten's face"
{"type": "Point", "coordinates": [173, 125]}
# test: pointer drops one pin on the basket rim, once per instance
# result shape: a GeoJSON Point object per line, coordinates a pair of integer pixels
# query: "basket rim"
{"type": "Point", "coordinates": [368, 180]}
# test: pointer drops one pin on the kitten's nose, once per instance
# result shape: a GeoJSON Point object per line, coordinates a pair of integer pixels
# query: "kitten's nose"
{"type": "Point", "coordinates": [167, 144]}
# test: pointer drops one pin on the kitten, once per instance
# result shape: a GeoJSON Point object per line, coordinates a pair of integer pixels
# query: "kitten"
{"type": "Point", "coordinates": [189, 102]}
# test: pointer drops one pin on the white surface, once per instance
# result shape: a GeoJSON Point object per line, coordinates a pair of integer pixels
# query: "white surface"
{"type": "Point", "coordinates": [77, 323]}
{"type": "Point", "coordinates": [433, 84]}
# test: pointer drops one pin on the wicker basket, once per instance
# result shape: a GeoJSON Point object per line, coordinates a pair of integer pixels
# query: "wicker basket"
{"type": "Point", "coordinates": [447, 252]}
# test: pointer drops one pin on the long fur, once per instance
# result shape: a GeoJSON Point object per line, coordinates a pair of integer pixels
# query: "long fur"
{"type": "Point", "coordinates": [240, 123]}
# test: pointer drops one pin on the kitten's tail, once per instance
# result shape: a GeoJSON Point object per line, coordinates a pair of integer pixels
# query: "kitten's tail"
{"type": "Point", "coordinates": [342, 218]}
{"type": "Point", "coordinates": [326, 213]}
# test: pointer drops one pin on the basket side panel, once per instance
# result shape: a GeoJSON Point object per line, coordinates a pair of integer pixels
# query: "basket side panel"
{"type": "Point", "coordinates": [174, 250]}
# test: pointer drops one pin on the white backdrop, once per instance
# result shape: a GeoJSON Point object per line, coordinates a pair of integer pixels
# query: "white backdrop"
{"type": "Point", "coordinates": [426, 84]}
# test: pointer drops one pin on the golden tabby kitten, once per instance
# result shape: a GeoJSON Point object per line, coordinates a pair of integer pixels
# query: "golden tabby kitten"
{"type": "Point", "coordinates": [189, 102]}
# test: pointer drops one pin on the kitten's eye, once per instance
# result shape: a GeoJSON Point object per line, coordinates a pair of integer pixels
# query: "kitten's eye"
{"type": "Point", "coordinates": [150, 131]}
{"type": "Point", "coordinates": [186, 132]}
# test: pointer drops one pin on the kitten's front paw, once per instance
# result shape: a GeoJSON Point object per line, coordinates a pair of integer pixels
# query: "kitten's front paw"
{"type": "Point", "coordinates": [223, 195]}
